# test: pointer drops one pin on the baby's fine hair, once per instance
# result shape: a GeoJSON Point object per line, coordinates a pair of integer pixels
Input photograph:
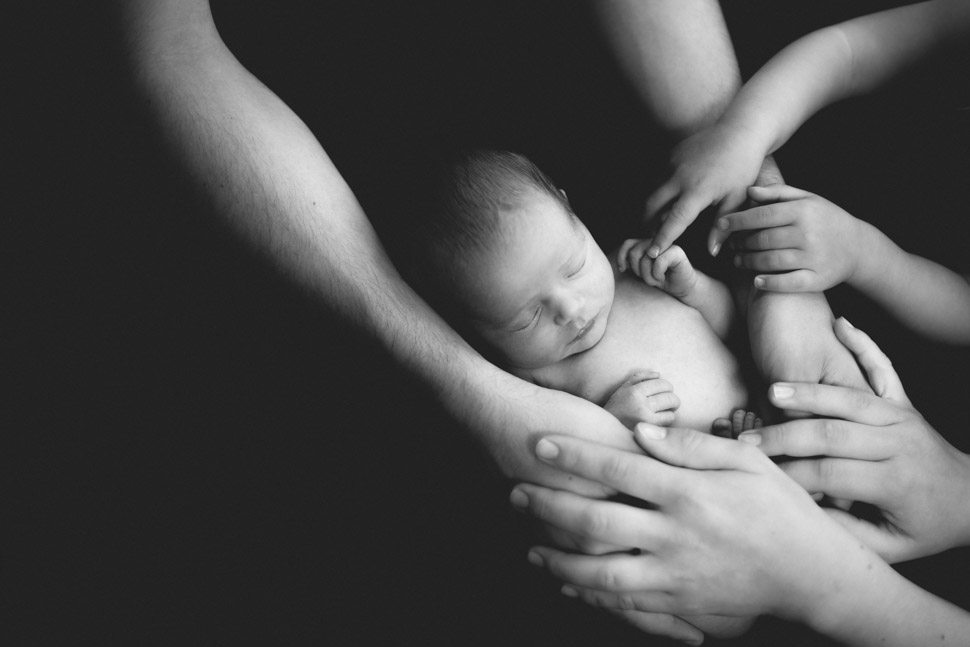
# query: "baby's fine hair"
{"type": "Point", "coordinates": [472, 192]}
{"type": "Point", "coordinates": [475, 189]}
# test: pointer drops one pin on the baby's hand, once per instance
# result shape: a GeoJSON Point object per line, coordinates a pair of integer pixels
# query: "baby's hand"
{"type": "Point", "coordinates": [813, 243]}
{"type": "Point", "coordinates": [644, 397]}
{"type": "Point", "coordinates": [740, 420]}
{"type": "Point", "coordinates": [671, 271]}
{"type": "Point", "coordinates": [715, 166]}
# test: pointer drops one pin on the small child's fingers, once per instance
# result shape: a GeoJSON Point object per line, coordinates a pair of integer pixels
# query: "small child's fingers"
{"type": "Point", "coordinates": [776, 193]}
{"type": "Point", "coordinates": [763, 217]}
{"type": "Point", "coordinates": [773, 260]}
{"type": "Point", "coordinates": [660, 199]}
{"type": "Point", "coordinates": [796, 281]}
{"type": "Point", "coordinates": [681, 213]}
{"type": "Point", "coordinates": [749, 419]}
{"type": "Point", "coordinates": [641, 375]}
{"type": "Point", "coordinates": [784, 237]}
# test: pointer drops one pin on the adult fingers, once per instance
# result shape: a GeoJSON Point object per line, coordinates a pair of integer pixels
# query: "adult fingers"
{"type": "Point", "coordinates": [794, 281]}
{"type": "Point", "coordinates": [831, 401]}
{"type": "Point", "coordinates": [634, 474]}
{"type": "Point", "coordinates": [570, 541]}
{"type": "Point", "coordinates": [879, 369]}
{"type": "Point", "coordinates": [622, 573]}
{"type": "Point", "coordinates": [693, 449]}
{"type": "Point", "coordinates": [609, 522]}
{"type": "Point", "coordinates": [841, 478]}
{"type": "Point", "coordinates": [681, 213]}
{"type": "Point", "coordinates": [820, 437]}
{"type": "Point", "coordinates": [661, 624]}
{"type": "Point", "coordinates": [776, 193]}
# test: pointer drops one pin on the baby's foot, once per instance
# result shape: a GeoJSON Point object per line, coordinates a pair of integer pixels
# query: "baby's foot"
{"type": "Point", "coordinates": [739, 421]}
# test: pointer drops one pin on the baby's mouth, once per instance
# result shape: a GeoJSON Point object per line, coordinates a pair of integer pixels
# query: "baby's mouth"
{"type": "Point", "coordinates": [585, 329]}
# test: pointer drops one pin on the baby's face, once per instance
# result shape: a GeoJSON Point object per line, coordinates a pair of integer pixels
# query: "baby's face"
{"type": "Point", "coordinates": [543, 290]}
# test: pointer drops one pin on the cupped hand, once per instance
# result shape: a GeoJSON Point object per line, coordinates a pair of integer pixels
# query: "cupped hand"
{"type": "Point", "coordinates": [713, 167]}
{"type": "Point", "coordinates": [731, 536]}
{"type": "Point", "coordinates": [800, 241]}
{"type": "Point", "coordinates": [877, 449]}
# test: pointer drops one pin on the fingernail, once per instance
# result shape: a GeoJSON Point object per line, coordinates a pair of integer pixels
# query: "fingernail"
{"type": "Point", "coordinates": [750, 437]}
{"type": "Point", "coordinates": [653, 252]}
{"type": "Point", "coordinates": [546, 449]}
{"type": "Point", "coordinates": [759, 281]}
{"type": "Point", "coordinates": [652, 432]}
{"type": "Point", "coordinates": [569, 591]}
{"type": "Point", "coordinates": [715, 249]}
{"type": "Point", "coordinates": [782, 391]}
{"type": "Point", "coordinates": [722, 223]}
{"type": "Point", "coordinates": [518, 498]}
{"type": "Point", "coordinates": [535, 558]}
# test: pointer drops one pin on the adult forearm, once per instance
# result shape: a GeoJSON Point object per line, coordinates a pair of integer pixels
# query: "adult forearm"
{"type": "Point", "coordinates": [880, 607]}
{"type": "Point", "coordinates": [678, 56]}
{"type": "Point", "coordinates": [268, 177]}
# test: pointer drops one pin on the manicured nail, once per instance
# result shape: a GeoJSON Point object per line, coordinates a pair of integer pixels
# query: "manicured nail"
{"type": "Point", "coordinates": [651, 432]}
{"type": "Point", "coordinates": [546, 449]}
{"type": "Point", "coordinates": [653, 252]}
{"type": "Point", "coordinates": [782, 391]}
{"type": "Point", "coordinates": [759, 281]}
{"type": "Point", "coordinates": [715, 249]}
{"type": "Point", "coordinates": [535, 558]}
{"type": "Point", "coordinates": [750, 437]}
{"type": "Point", "coordinates": [569, 591]}
{"type": "Point", "coordinates": [518, 498]}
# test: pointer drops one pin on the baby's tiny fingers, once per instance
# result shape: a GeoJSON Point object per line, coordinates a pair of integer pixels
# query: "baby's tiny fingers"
{"type": "Point", "coordinates": [666, 401]}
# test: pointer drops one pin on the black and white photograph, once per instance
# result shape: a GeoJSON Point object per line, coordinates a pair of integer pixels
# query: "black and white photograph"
{"type": "Point", "coordinates": [519, 323]}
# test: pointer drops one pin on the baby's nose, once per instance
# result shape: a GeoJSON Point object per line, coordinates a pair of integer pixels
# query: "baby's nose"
{"type": "Point", "coordinates": [571, 313]}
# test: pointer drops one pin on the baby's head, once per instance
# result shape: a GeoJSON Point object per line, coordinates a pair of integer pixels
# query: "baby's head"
{"type": "Point", "coordinates": [516, 265]}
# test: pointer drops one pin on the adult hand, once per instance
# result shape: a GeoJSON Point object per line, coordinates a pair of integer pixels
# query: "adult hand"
{"type": "Point", "coordinates": [877, 449]}
{"type": "Point", "coordinates": [806, 243]}
{"type": "Point", "coordinates": [714, 166]}
{"type": "Point", "coordinates": [731, 536]}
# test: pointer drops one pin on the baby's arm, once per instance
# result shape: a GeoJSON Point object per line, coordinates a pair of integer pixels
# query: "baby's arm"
{"type": "Point", "coordinates": [805, 243]}
{"type": "Point", "coordinates": [672, 272]}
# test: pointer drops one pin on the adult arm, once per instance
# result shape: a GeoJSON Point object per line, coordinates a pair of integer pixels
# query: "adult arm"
{"type": "Point", "coordinates": [877, 449]}
{"type": "Point", "coordinates": [267, 176]}
{"type": "Point", "coordinates": [730, 535]}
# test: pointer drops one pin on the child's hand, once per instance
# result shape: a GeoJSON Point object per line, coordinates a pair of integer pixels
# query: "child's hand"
{"type": "Point", "coordinates": [813, 242]}
{"type": "Point", "coordinates": [644, 397]}
{"type": "Point", "coordinates": [671, 271]}
{"type": "Point", "coordinates": [712, 167]}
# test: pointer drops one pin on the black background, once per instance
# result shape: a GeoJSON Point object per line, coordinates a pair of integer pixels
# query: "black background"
{"type": "Point", "coordinates": [196, 453]}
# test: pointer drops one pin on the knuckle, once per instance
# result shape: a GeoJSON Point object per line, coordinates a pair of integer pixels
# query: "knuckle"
{"type": "Point", "coordinates": [608, 578]}
{"type": "Point", "coordinates": [616, 469]}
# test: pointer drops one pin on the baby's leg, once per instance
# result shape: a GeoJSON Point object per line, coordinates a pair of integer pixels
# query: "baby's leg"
{"type": "Point", "coordinates": [792, 340]}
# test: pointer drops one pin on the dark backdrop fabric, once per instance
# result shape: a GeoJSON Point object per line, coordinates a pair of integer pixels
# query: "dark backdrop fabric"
{"type": "Point", "coordinates": [197, 453]}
